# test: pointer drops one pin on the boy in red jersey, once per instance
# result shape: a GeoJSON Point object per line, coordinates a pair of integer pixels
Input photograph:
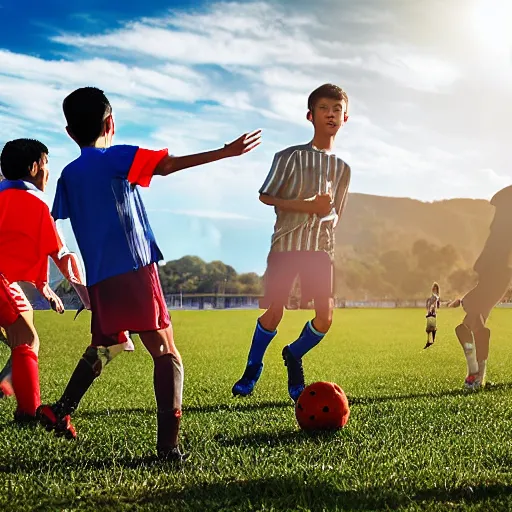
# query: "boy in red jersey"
{"type": "Point", "coordinates": [28, 236]}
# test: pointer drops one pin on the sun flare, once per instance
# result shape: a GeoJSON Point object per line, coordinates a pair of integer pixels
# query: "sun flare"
{"type": "Point", "coordinates": [492, 20]}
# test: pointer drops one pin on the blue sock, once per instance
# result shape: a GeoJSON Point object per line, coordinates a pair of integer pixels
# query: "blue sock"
{"type": "Point", "coordinates": [260, 341]}
{"type": "Point", "coordinates": [309, 338]}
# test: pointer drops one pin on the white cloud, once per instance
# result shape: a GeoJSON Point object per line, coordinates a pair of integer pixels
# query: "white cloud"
{"type": "Point", "coordinates": [229, 33]}
{"type": "Point", "coordinates": [253, 64]}
{"type": "Point", "coordinates": [52, 79]}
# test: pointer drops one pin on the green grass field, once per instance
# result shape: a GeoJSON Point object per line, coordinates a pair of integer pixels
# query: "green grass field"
{"type": "Point", "coordinates": [414, 441]}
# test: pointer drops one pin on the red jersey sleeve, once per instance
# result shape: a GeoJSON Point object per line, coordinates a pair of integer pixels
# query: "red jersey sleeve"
{"type": "Point", "coordinates": [144, 164]}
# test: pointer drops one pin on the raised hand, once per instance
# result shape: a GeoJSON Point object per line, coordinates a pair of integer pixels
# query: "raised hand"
{"type": "Point", "coordinates": [245, 143]}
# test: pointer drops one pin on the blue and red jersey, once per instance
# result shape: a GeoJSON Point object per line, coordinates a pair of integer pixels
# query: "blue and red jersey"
{"type": "Point", "coordinates": [99, 193]}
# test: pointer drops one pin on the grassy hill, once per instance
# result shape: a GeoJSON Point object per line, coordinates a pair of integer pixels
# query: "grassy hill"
{"type": "Point", "coordinates": [376, 224]}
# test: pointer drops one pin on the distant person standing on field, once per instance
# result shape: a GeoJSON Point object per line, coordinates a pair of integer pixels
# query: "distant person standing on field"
{"type": "Point", "coordinates": [432, 305]}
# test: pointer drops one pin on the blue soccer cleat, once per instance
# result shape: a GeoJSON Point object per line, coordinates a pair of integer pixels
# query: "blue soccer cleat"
{"type": "Point", "coordinates": [295, 374]}
{"type": "Point", "coordinates": [246, 384]}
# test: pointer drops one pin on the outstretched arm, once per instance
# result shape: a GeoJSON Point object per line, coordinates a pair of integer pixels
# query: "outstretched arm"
{"type": "Point", "coordinates": [455, 303]}
{"type": "Point", "coordinates": [240, 146]}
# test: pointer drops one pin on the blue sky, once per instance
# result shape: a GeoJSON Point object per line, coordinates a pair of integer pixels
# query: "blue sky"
{"type": "Point", "coordinates": [430, 97]}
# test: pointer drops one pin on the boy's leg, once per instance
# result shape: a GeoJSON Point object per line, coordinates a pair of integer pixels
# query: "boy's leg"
{"type": "Point", "coordinates": [101, 352]}
{"type": "Point", "coordinates": [279, 276]}
{"type": "Point", "coordinates": [431, 328]}
{"type": "Point", "coordinates": [429, 342]}
{"type": "Point", "coordinates": [24, 343]}
{"type": "Point", "coordinates": [465, 337]}
{"type": "Point", "coordinates": [473, 335]}
{"type": "Point", "coordinates": [168, 386]}
{"type": "Point", "coordinates": [16, 316]}
{"type": "Point", "coordinates": [264, 333]}
{"type": "Point", "coordinates": [316, 274]}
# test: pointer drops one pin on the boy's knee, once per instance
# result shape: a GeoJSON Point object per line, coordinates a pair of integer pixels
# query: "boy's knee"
{"type": "Point", "coordinates": [322, 323]}
{"type": "Point", "coordinates": [160, 343]}
{"type": "Point", "coordinates": [323, 316]}
{"type": "Point", "coordinates": [22, 332]}
{"type": "Point", "coordinates": [272, 317]}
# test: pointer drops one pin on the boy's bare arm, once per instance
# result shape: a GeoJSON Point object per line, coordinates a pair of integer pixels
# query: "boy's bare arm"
{"type": "Point", "coordinates": [240, 146]}
{"type": "Point", "coordinates": [320, 204]}
{"type": "Point", "coordinates": [69, 265]}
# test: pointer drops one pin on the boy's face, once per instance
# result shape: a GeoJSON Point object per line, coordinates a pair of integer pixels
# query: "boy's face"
{"type": "Point", "coordinates": [40, 172]}
{"type": "Point", "coordinates": [328, 116]}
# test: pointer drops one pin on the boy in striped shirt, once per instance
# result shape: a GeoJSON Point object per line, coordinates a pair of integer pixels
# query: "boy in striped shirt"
{"type": "Point", "coordinates": [307, 186]}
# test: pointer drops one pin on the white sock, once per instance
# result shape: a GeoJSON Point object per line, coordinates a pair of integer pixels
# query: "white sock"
{"type": "Point", "coordinates": [470, 353]}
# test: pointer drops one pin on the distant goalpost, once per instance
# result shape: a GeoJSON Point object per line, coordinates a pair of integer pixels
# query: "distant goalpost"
{"type": "Point", "coordinates": [174, 301]}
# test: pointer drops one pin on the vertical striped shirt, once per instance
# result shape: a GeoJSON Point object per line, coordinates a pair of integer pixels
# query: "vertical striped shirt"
{"type": "Point", "coordinates": [432, 304]}
{"type": "Point", "coordinates": [301, 172]}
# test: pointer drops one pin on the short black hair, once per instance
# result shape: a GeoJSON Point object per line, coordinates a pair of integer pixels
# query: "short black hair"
{"type": "Point", "coordinates": [329, 91]}
{"type": "Point", "coordinates": [19, 155]}
{"type": "Point", "coordinates": [85, 110]}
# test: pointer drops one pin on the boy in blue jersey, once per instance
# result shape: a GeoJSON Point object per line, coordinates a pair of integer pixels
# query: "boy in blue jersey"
{"type": "Point", "coordinates": [99, 193]}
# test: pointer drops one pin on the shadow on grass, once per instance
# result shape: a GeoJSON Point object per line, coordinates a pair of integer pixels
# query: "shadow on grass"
{"type": "Point", "coordinates": [226, 407]}
{"type": "Point", "coordinates": [73, 463]}
{"type": "Point", "coordinates": [490, 388]}
{"type": "Point", "coordinates": [286, 437]}
{"type": "Point", "coordinates": [241, 405]}
{"type": "Point", "coordinates": [291, 493]}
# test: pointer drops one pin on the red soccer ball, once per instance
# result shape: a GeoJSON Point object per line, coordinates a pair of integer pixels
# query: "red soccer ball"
{"type": "Point", "coordinates": [322, 406]}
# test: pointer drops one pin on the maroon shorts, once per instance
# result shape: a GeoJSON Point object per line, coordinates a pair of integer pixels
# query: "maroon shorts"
{"type": "Point", "coordinates": [12, 302]}
{"type": "Point", "coordinates": [129, 302]}
{"type": "Point", "coordinates": [314, 269]}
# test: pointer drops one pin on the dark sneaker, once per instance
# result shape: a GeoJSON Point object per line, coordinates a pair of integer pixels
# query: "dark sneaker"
{"type": "Point", "coordinates": [429, 344]}
{"type": "Point", "coordinates": [246, 384]}
{"type": "Point", "coordinates": [295, 374]}
{"type": "Point", "coordinates": [61, 426]}
{"type": "Point", "coordinates": [171, 455]}
{"type": "Point", "coordinates": [22, 418]}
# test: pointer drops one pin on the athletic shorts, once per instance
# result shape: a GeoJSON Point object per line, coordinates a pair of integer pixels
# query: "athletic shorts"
{"type": "Point", "coordinates": [313, 268]}
{"type": "Point", "coordinates": [431, 324]}
{"type": "Point", "coordinates": [128, 302]}
{"type": "Point", "coordinates": [12, 302]}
